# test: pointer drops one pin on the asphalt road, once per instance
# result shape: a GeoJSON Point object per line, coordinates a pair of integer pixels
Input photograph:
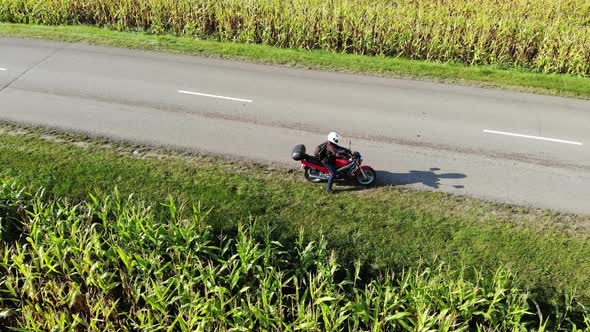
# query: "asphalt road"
{"type": "Point", "coordinates": [510, 147]}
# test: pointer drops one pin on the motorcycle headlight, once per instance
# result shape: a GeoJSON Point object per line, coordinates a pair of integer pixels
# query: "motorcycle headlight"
{"type": "Point", "coordinates": [360, 156]}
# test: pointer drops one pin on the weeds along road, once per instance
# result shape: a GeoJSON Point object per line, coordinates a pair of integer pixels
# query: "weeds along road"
{"type": "Point", "coordinates": [504, 146]}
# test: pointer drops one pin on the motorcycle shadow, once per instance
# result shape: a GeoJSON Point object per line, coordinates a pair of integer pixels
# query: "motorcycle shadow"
{"type": "Point", "coordinates": [430, 178]}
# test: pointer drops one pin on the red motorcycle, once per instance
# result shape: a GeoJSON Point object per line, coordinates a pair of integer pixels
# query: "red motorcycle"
{"type": "Point", "coordinates": [348, 169]}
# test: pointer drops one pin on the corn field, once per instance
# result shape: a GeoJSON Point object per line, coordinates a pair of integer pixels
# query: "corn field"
{"type": "Point", "coordinates": [114, 264]}
{"type": "Point", "coordinates": [542, 35]}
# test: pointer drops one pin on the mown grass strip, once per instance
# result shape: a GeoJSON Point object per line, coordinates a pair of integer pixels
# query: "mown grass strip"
{"type": "Point", "coordinates": [489, 76]}
{"type": "Point", "coordinates": [384, 227]}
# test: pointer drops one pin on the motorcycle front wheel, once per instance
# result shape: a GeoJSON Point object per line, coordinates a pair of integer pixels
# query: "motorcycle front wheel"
{"type": "Point", "coordinates": [369, 177]}
{"type": "Point", "coordinates": [313, 175]}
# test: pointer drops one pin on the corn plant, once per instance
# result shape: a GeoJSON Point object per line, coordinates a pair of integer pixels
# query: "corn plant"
{"type": "Point", "coordinates": [542, 35]}
{"type": "Point", "coordinates": [112, 263]}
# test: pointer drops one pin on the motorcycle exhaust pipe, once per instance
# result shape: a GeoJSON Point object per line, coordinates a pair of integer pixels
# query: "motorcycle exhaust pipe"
{"type": "Point", "coordinates": [318, 177]}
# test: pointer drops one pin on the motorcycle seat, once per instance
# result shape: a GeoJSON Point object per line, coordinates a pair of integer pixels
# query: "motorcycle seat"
{"type": "Point", "coordinates": [313, 160]}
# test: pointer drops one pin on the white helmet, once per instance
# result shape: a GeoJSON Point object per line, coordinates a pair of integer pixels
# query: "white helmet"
{"type": "Point", "coordinates": [334, 137]}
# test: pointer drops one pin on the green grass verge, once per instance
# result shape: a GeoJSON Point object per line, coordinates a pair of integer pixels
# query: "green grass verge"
{"type": "Point", "coordinates": [384, 227]}
{"type": "Point", "coordinates": [523, 80]}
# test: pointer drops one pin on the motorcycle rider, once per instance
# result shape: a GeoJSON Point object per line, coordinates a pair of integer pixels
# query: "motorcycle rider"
{"type": "Point", "coordinates": [333, 152]}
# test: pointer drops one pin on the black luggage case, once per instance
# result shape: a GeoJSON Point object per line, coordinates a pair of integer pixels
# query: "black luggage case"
{"type": "Point", "coordinates": [299, 152]}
